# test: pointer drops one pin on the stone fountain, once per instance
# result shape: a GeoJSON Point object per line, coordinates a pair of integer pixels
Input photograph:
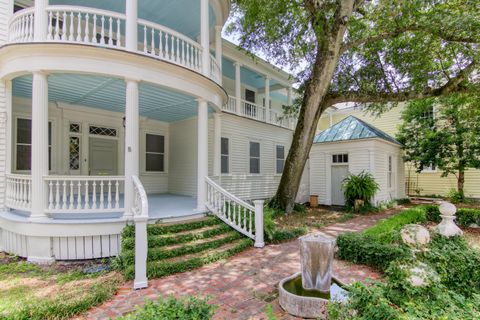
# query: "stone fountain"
{"type": "Point", "coordinates": [306, 293]}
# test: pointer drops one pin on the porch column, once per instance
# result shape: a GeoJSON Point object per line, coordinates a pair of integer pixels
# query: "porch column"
{"type": "Point", "coordinates": [238, 88]}
{"type": "Point", "coordinates": [40, 21]}
{"type": "Point", "coordinates": [131, 34]}
{"type": "Point", "coordinates": [267, 99]}
{"type": "Point", "coordinates": [131, 142]}
{"type": "Point", "coordinates": [39, 150]}
{"type": "Point", "coordinates": [202, 156]}
{"type": "Point", "coordinates": [205, 37]}
{"type": "Point", "coordinates": [217, 139]}
{"type": "Point", "coordinates": [218, 49]}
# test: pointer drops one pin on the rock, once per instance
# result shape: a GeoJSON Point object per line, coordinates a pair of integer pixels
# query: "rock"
{"type": "Point", "coordinates": [415, 235]}
{"type": "Point", "coordinates": [422, 275]}
{"type": "Point", "coordinates": [96, 269]}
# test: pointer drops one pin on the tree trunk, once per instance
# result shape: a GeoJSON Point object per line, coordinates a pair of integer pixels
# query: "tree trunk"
{"type": "Point", "coordinates": [461, 181]}
{"type": "Point", "coordinates": [313, 104]}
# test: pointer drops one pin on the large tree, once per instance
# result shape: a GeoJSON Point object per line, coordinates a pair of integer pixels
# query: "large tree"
{"type": "Point", "coordinates": [443, 132]}
{"type": "Point", "coordinates": [368, 52]}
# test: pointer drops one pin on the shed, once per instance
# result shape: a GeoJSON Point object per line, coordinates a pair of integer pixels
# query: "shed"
{"type": "Point", "coordinates": [353, 146]}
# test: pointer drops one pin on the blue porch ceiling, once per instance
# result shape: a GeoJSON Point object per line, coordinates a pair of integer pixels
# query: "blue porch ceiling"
{"type": "Point", "coordinates": [180, 15]}
{"type": "Point", "coordinates": [109, 94]}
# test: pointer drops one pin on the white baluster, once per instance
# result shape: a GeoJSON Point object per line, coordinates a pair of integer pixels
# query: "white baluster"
{"type": "Point", "coordinates": [64, 27]}
{"type": "Point", "coordinates": [167, 53]}
{"type": "Point", "coordinates": [117, 195]}
{"type": "Point", "coordinates": [109, 194]}
{"type": "Point", "coordinates": [31, 18]}
{"type": "Point", "coordinates": [94, 195]}
{"type": "Point", "coordinates": [172, 48]}
{"type": "Point", "coordinates": [153, 42]}
{"type": "Point", "coordinates": [184, 61]}
{"type": "Point", "coordinates": [102, 31]}
{"type": "Point", "coordinates": [177, 55]}
{"type": "Point", "coordinates": [94, 32]}
{"type": "Point", "coordinates": [119, 36]}
{"type": "Point", "coordinates": [101, 195]}
{"type": "Point", "coordinates": [64, 195]}
{"type": "Point", "coordinates": [79, 195]}
{"type": "Point", "coordinates": [110, 31]}
{"type": "Point", "coordinates": [71, 36]}
{"type": "Point", "coordinates": [79, 27]}
{"type": "Point", "coordinates": [145, 39]}
{"type": "Point", "coordinates": [22, 29]}
{"type": "Point", "coordinates": [86, 38]}
{"type": "Point", "coordinates": [160, 44]}
{"type": "Point", "coordinates": [250, 230]}
{"type": "Point", "coordinates": [70, 202]}
{"type": "Point", "coordinates": [86, 196]}
{"type": "Point", "coordinates": [57, 195]}
{"type": "Point", "coordinates": [50, 195]}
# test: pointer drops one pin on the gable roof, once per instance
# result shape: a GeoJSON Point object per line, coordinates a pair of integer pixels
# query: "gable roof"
{"type": "Point", "coordinates": [352, 128]}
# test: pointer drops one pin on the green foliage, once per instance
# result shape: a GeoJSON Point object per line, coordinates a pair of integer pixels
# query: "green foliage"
{"type": "Point", "coordinates": [190, 308]}
{"type": "Point", "coordinates": [359, 187]}
{"type": "Point", "coordinates": [363, 249]}
{"type": "Point", "coordinates": [432, 212]}
{"type": "Point", "coordinates": [274, 234]}
{"type": "Point", "coordinates": [467, 217]}
{"type": "Point", "coordinates": [456, 196]}
{"type": "Point", "coordinates": [388, 230]}
{"type": "Point", "coordinates": [404, 201]}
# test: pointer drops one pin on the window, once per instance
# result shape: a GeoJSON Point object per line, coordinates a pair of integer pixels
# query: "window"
{"type": "Point", "coordinates": [224, 154]}
{"type": "Point", "coordinates": [390, 172]}
{"type": "Point", "coordinates": [430, 168]}
{"type": "Point", "coordinates": [24, 144]}
{"type": "Point", "coordinates": [280, 158]}
{"type": "Point", "coordinates": [102, 131]}
{"type": "Point", "coordinates": [74, 150]}
{"type": "Point", "coordinates": [155, 153]}
{"type": "Point", "coordinates": [340, 158]}
{"type": "Point", "coordinates": [254, 157]}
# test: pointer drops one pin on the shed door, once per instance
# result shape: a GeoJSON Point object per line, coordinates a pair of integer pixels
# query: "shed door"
{"type": "Point", "coordinates": [338, 174]}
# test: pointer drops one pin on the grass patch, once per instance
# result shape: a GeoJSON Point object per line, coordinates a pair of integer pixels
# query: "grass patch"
{"type": "Point", "coordinates": [28, 291]}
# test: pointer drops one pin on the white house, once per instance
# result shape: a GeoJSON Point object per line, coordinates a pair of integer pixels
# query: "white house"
{"type": "Point", "coordinates": [111, 107]}
{"type": "Point", "coordinates": [353, 146]}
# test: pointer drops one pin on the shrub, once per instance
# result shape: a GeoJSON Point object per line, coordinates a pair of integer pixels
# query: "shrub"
{"type": "Point", "coordinates": [403, 201]}
{"type": "Point", "coordinates": [171, 309]}
{"type": "Point", "coordinates": [359, 187]}
{"type": "Point", "coordinates": [456, 196]}
{"type": "Point", "coordinates": [363, 249]}
{"type": "Point", "coordinates": [432, 212]}
{"type": "Point", "coordinates": [467, 217]}
{"type": "Point", "coordinates": [387, 231]}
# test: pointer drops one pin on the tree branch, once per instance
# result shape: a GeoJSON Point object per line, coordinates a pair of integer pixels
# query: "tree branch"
{"type": "Point", "coordinates": [451, 86]}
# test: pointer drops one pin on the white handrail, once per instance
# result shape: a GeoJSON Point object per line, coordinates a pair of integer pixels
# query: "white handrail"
{"type": "Point", "coordinates": [18, 191]}
{"type": "Point", "coordinates": [140, 218]}
{"type": "Point", "coordinates": [238, 214]}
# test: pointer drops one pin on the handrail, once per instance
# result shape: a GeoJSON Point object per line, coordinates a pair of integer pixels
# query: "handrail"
{"type": "Point", "coordinates": [236, 213]}
{"type": "Point", "coordinates": [89, 10]}
{"type": "Point", "coordinates": [21, 26]}
{"type": "Point", "coordinates": [140, 207]}
{"type": "Point", "coordinates": [18, 191]}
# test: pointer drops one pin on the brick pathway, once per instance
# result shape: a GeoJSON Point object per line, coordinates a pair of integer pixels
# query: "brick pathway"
{"type": "Point", "coordinates": [243, 285]}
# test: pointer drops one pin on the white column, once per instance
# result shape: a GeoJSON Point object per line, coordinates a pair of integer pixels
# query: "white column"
{"type": "Point", "coordinates": [40, 20]}
{"type": "Point", "coordinates": [217, 123]}
{"type": "Point", "coordinates": [289, 96]}
{"type": "Point", "coordinates": [259, 242]}
{"type": "Point", "coordinates": [267, 99]}
{"type": "Point", "coordinates": [218, 49]}
{"type": "Point", "coordinates": [131, 33]}
{"type": "Point", "coordinates": [131, 142]}
{"type": "Point", "coordinates": [202, 156]}
{"type": "Point", "coordinates": [205, 37]}
{"type": "Point", "coordinates": [238, 88]}
{"type": "Point", "coordinates": [39, 157]}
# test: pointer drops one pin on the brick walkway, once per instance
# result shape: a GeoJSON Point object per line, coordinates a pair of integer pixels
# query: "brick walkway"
{"type": "Point", "coordinates": [242, 286]}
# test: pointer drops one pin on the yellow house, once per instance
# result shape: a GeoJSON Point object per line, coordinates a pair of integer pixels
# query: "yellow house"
{"type": "Point", "coordinates": [428, 182]}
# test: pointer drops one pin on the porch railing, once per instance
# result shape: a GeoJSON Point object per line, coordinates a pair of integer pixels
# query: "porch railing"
{"type": "Point", "coordinates": [254, 111]}
{"type": "Point", "coordinates": [238, 214]}
{"type": "Point", "coordinates": [92, 26]}
{"type": "Point", "coordinates": [84, 194]}
{"type": "Point", "coordinates": [140, 211]}
{"type": "Point", "coordinates": [19, 191]}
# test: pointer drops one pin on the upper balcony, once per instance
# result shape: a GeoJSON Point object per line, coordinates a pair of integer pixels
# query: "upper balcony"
{"type": "Point", "coordinates": [160, 29]}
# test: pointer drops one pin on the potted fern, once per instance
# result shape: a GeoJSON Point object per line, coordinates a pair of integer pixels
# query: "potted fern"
{"type": "Point", "coordinates": [359, 190]}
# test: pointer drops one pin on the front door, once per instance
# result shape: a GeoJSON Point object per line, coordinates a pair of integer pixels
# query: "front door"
{"type": "Point", "coordinates": [338, 174]}
{"type": "Point", "coordinates": [103, 157]}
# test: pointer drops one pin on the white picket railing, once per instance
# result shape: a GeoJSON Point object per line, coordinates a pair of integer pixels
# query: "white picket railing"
{"type": "Point", "coordinates": [21, 27]}
{"type": "Point", "coordinates": [215, 73]}
{"type": "Point", "coordinates": [166, 44]}
{"type": "Point", "coordinates": [84, 194]}
{"type": "Point", "coordinates": [85, 25]}
{"type": "Point", "coordinates": [19, 191]}
{"type": "Point", "coordinates": [140, 218]}
{"type": "Point", "coordinates": [238, 214]}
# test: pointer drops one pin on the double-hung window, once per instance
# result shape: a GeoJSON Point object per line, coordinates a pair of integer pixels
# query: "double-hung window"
{"type": "Point", "coordinates": [254, 157]}
{"type": "Point", "coordinates": [155, 153]}
{"type": "Point", "coordinates": [23, 145]}
{"type": "Point", "coordinates": [280, 158]}
{"type": "Point", "coordinates": [224, 154]}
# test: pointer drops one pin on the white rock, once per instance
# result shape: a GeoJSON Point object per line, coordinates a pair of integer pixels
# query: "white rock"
{"type": "Point", "coordinates": [422, 275]}
{"type": "Point", "coordinates": [415, 235]}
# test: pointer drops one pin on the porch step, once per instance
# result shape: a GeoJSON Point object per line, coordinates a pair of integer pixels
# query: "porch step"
{"type": "Point", "coordinates": [182, 247]}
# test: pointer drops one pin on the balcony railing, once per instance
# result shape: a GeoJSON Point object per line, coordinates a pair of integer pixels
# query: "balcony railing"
{"type": "Point", "coordinates": [91, 26]}
{"type": "Point", "coordinates": [254, 111]}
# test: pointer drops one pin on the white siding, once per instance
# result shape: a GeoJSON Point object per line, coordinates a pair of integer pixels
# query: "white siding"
{"type": "Point", "coordinates": [318, 174]}
{"type": "Point", "coordinates": [6, 10]}
{"type": "Point", "coordinates": [3, 142]}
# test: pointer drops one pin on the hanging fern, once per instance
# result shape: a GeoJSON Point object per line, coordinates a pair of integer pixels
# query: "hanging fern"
{"type": "Point", "coordinates": [360, 187]}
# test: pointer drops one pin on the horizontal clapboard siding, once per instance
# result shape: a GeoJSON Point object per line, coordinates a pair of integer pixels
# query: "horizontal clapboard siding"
{"type": "Point", "coordinates": [6, 10]}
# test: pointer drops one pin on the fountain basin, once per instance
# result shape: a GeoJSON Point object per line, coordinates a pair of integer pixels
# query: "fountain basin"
{"type": "Point", "coordinates": [308, 303]}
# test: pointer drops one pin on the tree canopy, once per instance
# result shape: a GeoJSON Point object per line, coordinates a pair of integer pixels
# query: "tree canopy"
{"type": "Point", "coordinates": [367, 52]}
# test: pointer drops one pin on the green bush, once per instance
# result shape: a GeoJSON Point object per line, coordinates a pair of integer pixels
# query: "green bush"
{"type": "Point", "coordinates": [456, 196]}
{"type": "Point", "coordinates": [403, 201]}
{"type": "Point", "coordinates": [362, 249]}
{"type": "Point", "coordinates": [388, 230]}
{"type": "Point", "coordinates": [432, 212]}
{"type": "Point", "coordinates": [467, 217]}
{"type": "Point", "coordinates": [172, 309]}
{"type": "Point", "coordinates": [359, 187]}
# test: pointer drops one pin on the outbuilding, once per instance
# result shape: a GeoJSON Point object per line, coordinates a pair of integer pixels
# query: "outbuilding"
{"type": "Point", "coordinates": [350, 147]}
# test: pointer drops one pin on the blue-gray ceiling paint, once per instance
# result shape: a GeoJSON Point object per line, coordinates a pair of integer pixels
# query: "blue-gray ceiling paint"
{"type": "Point", "coordinates": [180, 15]}
{"type": "Point", "coordinates": [109, 94]}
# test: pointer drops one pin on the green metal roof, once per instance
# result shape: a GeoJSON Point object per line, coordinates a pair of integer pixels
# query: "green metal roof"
{"type": "Point", "coordinates": [352, 128]}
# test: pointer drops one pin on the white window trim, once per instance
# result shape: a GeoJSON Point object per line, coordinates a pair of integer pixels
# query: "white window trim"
{"type": "Point", "coordinates": [391, 173]}
{"type": "Point", "coordinates": [229, 173]}
{"type": "Point", "coordinates": [429, 170]}
{"type": "Point", "coordinates": [143, 152]}
{"type": "Point", "coordinates": [275, 157]}
{"type": "Point", "coordinates": [14, 144]}
{"type": "Point", "coordinates": [260, 158]}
